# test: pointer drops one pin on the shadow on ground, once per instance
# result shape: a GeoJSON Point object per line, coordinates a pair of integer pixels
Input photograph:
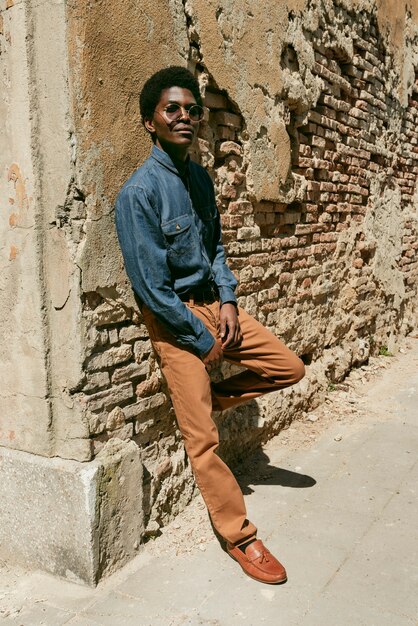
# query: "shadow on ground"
{"type": "Point", "coordinates": [260, 472]}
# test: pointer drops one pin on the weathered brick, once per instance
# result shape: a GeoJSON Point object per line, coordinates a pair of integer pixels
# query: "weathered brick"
{"type": "Point", "coordinates": [312, 185]}
{"type": "Point", "coordinates": [113, 336]}
{"type": "Point", "coordinates": [232, 221]}
{"type": "Point", "coordinates": [303, 229]}
{"type": "Point", "coordinates": [305, 162]}
{"type": "Point", "coordinates": [225, 118]}
{"type": "Point", "coordinates": [215, 100]}
{"type": "Point", "coordinates": [228, 191]}
{"type": "Point", "coordinates": [144, 406]}
{"type": "Point", "coordinates": [318, 141]}
{"type": "Point", "coordinates": [148, 387]}
{"type": "Point", "coordinates": [133, 370]}
{"type": "Point", "coordinates": [96, 338]}
{"type": "Point", "coordinates": [97, 423]}
{"type": "Point", "coordinates": [285, 278]}
{"type": "Point", "coordinates": [248, 232]}
{"type": "Point", "coordinates": [287, 266]}
{"type": "Point", "coordinates": [226, 133]}
{"type": "Point", "coordinates": [324, 186]}
{"type": "Point", "coordinates": [235, 178]}
{"type": "Point", "coordinates": [109, 398]}
{"type": "Point", "coordinates": [305, 150]}
{"type": "Point", "coordinates": [96, 381]}
{"type": "Point", "coordinates": [109, 358]}
{"type": "Point", "coordinates": [124, 432]}
{"type": "Point", "coordinates": [240, 207]}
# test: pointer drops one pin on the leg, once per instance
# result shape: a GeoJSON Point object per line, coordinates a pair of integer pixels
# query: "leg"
{"type": "Point", "coordinates": [190, 390]}
{"type": "Point", "coordinates": [270, 365]}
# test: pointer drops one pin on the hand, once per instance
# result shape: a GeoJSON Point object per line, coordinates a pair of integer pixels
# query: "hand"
{"type": "Point", "coordinates": [231, 333]}
{"type": "Point", "coordinates": [214, 357]}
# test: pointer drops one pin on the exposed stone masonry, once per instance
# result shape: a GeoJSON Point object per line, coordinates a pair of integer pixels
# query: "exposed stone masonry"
{"type": "Point", "coordinates": [314, 264]}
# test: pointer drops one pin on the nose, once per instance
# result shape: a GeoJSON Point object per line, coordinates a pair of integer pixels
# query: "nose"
{"type": "Point", "coordinates": [184, 113]}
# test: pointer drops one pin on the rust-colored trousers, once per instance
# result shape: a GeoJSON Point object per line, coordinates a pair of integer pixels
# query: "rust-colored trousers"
{"type": "Point", "coordinates": [270, 366]}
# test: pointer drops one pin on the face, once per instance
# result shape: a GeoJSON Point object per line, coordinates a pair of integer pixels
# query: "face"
{"type": "Point", "coordinates": [177, 135]}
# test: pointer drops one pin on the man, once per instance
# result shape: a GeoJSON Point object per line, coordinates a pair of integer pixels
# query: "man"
{"type": "Point", "coordinates": [170, 235]}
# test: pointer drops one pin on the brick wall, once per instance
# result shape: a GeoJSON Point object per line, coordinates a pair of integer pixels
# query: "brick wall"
{"type": "Point", "coordinates": [333, 271]}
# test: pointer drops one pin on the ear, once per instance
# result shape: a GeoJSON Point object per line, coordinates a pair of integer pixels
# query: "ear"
{"type": "Point", "coordinates": [149, 125]}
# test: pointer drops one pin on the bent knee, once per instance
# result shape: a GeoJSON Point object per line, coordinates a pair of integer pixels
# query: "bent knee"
{"type": "Point", "coordinates": [291, 373]}
{"type": "Point", "coordinates": [297, 370]}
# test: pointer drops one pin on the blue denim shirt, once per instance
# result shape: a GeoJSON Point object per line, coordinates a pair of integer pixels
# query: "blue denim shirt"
{"type": "Point", "coordinates": [170, 234]}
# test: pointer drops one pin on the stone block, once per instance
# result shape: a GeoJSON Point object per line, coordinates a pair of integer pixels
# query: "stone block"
{"type": "Point", "coordinates": [111, 313]}
{"type": "Point", "coordinates": [115, 419]}
{"type": "Point", "coordinates": [80, 521]}
{"type": "Point", "coordinates": [133, 332]}
{"type": "Point", "coordinates": [141, 349]}
{"type": "Point", "coordinates": [228, 147]}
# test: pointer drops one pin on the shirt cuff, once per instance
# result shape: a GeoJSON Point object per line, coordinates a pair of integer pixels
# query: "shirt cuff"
{"type": "Point", "coordinates": [204, 344]}
{"type": "Point", "coordinates": [226, 294]}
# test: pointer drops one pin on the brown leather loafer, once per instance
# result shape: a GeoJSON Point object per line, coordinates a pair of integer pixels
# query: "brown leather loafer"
{"type": "Point", "coordinates": [259, 563]}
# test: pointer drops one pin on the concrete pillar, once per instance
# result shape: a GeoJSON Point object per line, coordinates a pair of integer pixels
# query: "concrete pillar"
{"type": "Point", "coordinates": [77, 520]}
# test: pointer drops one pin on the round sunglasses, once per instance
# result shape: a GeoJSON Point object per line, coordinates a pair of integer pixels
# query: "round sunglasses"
{"type": "Point", "coordinates": [174, 112]}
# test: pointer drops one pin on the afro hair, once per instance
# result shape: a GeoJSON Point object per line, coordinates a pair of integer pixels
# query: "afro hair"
{"type": "Point", "coordinates": [173, 76]}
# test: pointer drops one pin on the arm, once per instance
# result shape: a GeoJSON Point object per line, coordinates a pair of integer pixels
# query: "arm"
{"type": "Point", "coordinates": [226, 283]}
{"type": "Point", "coordinates": [224, 278]}
{"type": "Point", "coordinates": [145, 255]}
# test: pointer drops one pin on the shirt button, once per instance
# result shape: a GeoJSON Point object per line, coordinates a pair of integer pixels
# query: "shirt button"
{"type": "Point", "coordinates": [177, 226]}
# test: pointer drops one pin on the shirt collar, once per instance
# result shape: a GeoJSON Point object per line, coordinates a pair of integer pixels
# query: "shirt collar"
{"type": "Point", "coordinates": [180, 168]}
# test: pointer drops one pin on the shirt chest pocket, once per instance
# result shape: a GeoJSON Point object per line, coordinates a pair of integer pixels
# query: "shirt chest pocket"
{"type": "Point", "coordinates": [209, 225]}
{"type": "Point", "coordinates": [179, 234]}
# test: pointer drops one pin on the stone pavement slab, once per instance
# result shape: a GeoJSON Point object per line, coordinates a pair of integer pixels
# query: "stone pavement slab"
{"type": "Point", "coordinates": [340, 512]}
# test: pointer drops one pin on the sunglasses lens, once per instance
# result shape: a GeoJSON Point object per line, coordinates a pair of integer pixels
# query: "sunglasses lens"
{"type": "Point", "coordinates": [195, 113]}
{"type": "Point", "coordinates": [173, 112]}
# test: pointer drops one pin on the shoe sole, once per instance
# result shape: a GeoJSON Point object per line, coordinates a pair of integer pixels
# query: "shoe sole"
{"type": "Point", "coordinates": [259, 580]}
